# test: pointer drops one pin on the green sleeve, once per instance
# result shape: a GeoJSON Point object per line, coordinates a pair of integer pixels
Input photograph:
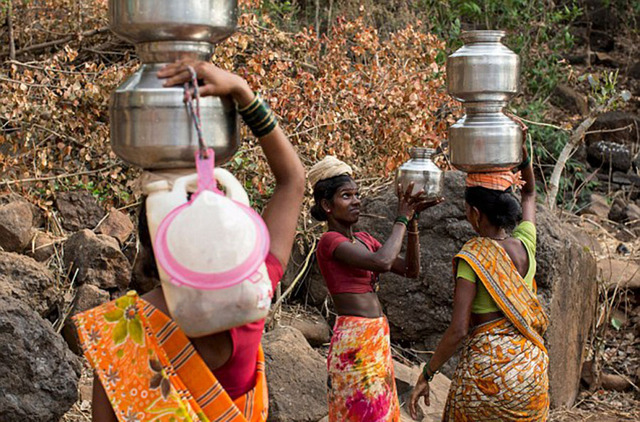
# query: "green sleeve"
{"type": "Point", "coordinates": [465, 271]}
{"type": "Point", "coordinates": [526, 232]}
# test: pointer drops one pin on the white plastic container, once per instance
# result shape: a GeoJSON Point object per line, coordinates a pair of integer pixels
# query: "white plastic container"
{"type": "Point", "coordinates": [210, 251]}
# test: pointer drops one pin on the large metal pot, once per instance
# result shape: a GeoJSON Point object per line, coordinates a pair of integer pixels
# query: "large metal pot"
{"type": "Point", "coordinates": [422, 172]}
{"type": "Point", "coordinates": [163, 28]}
{"type": "Point", "coordinates": [150, 127]}
{"type": "Point", "coordinates": [483, 69]}
{"type": "Point", "coordinates": [485, 140]}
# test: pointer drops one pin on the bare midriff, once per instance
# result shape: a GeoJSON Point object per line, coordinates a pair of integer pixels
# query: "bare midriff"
{"type": "Point", "coordinates": [365, 305]}
{"type": "Point", "coordinates": [478, 319]}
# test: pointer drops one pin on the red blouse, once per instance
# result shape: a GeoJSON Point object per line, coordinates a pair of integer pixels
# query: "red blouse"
{"type": "Point", "coordinates": [339, 277]}
{"type": "Point", "coordinates": [238, 375]}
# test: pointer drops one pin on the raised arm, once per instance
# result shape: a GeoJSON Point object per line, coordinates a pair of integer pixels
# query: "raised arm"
{"type": "Point", "coordinates": [386, 258]}
{"type": "Point", "coordinates": [529, 189]}
{"type": "Point", "coordinates": [282, 211]}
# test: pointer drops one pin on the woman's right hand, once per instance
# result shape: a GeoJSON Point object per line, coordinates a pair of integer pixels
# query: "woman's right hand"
{"type": "Point", "coordinates": [217, 82]}
{"type": "Point", "coordinates": [409, 203]}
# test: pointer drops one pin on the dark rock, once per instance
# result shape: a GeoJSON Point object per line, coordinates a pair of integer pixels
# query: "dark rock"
{"type": "Point", "coordinates": [311, 324]}
{"type": "Point", "coordinates": [601, 41]}
{"type": "Point", "coordinates": [634, 70]}
{"type": "Point", "coordinates": [617, 211]}
{"type": "Point", "coordinates": [87, 297]}
{"type": "Point", "coordinates": [570, 100]}
{"type": "Point", "coordinates": [117, 225]}
{"type": "Point", "coordinates": [605, 59]}
{"type": "Point", "coordinates": [78, 210]}
{"type": "Point", "coordinates": [42, 246]}
{"type": "Point", "coordinates": [144, 274]}
{"type": "Point", "coordinates": [38, 373]}
{"type": "Point", "coordinates": [16, 226]}
{"type": "Point", "coordinates": [614, 382]}
{"type": "Point", "coordinates": [621, 274]}
{"type": "Point", "coordinates": [615, 126]}
{"type": "Point", "coordinates": [421, 309]}
{"type": "Point", "coordinates": [38, 214]}
{"type": "Point", "coordinates": [98, 260]}
{"type": "Point", "coordinates": [609, 154]}
{"type": "Point", "coordinates": [601, 14]}
{"type": "Point", "coordinates": [29, 281]}
{"type": "Point", "coordinates": [297, 377]}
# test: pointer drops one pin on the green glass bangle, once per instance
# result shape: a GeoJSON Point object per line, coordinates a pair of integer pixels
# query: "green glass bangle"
{"type": "Point", "coordinates": [403, 220]}
{"type": "Point", "coordinates": [259, 117]}
{"type": "Point", "coordinates": [425, 372]}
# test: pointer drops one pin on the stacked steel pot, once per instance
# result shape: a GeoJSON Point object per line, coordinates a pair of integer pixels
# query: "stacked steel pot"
{"type": "Point", "coordinates": [150, 127]}
{"type": "Point", "coordinates": [484, 75]}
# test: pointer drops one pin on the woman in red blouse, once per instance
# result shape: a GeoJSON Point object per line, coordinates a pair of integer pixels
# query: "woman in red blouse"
{"type": "Point", "coordinates": [361, 381]}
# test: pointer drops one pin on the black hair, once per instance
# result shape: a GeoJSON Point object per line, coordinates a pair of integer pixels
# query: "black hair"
{"type": "Point", "coordinates": [145, 272]}
{"type": "Point", "coordinates": [502, 208]}
{"type": "Point", "coordinates": [326, 189]}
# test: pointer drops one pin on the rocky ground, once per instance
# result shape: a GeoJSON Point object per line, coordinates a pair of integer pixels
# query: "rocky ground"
{"type": "Point", "coordinates": [74, 255]}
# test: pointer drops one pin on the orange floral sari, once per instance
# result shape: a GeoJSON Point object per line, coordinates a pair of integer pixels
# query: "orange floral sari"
{"type": "Point", "coordinates": [502, 373]}
{"type": "Point", "coordinates": [151, 372]}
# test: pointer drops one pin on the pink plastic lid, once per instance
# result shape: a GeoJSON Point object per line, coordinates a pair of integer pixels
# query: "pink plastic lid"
{"type": "Point", "coordinates": [181, 275]}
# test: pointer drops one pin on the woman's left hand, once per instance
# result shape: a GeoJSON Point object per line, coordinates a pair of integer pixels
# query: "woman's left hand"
{"type": "Point", "coordinates": [421, 389]}
{"type": "Point", "coordinates": [428, 203]}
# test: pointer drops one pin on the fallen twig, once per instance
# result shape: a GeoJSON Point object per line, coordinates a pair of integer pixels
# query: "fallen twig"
{"type": "Point", "coordinates": [57, 177]}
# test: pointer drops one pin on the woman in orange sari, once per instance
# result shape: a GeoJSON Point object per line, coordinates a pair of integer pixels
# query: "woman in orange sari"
{"type": "Point", "coordinates": [502, 372]}
{"type": "Point", "coordinates": [146, 368]}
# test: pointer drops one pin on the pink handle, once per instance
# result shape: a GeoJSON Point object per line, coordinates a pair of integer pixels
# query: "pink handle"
{"type": "Point", "coordinates": [204, 167]}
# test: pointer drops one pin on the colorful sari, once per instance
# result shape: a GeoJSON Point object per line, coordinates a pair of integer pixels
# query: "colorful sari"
{"type": "Point", "coordinates": [361, 381]}
{"type": "Point", "coordinates": [502, 373]}
{"type": "Point", "coordinates": [151, 371]}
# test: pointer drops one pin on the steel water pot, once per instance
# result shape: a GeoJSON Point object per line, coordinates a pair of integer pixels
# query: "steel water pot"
{"type": "Point", "coordinates": [485, 140]}
{"type": "Point", "coordinates": [162, 28]}
{"type": "Point", "coordinates": [423, 172]}
{"type": "Point", "coordinates": [150, 126]}
{"type": "Point", "coordinates": [483, 69]}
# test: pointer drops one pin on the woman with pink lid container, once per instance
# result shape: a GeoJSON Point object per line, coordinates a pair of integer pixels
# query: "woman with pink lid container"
{"type": "Point", "coordinates": [229, 355]}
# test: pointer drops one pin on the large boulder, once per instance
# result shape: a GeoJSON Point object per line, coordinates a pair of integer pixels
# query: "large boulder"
{"type": "Point", "coordinates": [29, 281]}
{"type": "Point", "coordinates": [38, 373]}
{"type": "Point", "coordinates": [78, 210]}
{"type": "Point", "coordinates": [97, 259]}
{"type": "Point", "coordinates": [310, 323]}
{"type": "Point", "coordinates": [87, 297]}
{"type": "Point", "coordinates": [297, 377]}
{"type": "Point", "coordinates": [406, 377]}
{"type": "Point", "coordinates": [16, 226]}
{"type": "Point", "coordinates": [117, 224]}
{"type": "Point", "coordinates": [419, 310]}
{"type": "Point", "coordinates": [42, 246]}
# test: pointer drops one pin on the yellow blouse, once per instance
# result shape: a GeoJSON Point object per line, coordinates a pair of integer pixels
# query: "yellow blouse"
{"type": "Point", "coordinates": [483, 303]}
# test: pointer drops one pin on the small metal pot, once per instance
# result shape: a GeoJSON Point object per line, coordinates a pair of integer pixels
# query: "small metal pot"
{"type": "Point", "coordinates": [485, 140]}
{"type": "Point", "coordinates": [423, 172]}
{"type": "Point", "coordinates": [141, 21]}
{"type": "Point", "coordinates": [150, 126]}
{"type": "Point", "coordinates": [483, 69]}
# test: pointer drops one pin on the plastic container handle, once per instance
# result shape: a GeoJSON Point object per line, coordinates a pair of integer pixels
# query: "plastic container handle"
{"type": "Point", "coordinates": [233, 188]}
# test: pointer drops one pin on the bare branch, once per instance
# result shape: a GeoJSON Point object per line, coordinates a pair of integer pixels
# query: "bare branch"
{"type": "Point", "coordinates": [12, 40]}
{"type": "Point", "coordinates": [64, 40]}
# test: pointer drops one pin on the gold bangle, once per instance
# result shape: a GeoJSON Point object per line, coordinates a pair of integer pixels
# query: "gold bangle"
{"type": "Point", "coordinates": [416, 232]}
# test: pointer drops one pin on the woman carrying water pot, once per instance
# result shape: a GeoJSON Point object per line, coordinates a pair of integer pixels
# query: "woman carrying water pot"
{"type": "Point", "coordinates": [502, 372]}
{"type": "Point", "coordinates": [146, 368]}
{"type": "Point", "coordinates": [361, 382]}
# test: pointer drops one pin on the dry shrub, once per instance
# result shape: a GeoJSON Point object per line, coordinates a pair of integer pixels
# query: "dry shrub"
{"type": "Point", "coordinates": [352, 94]}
